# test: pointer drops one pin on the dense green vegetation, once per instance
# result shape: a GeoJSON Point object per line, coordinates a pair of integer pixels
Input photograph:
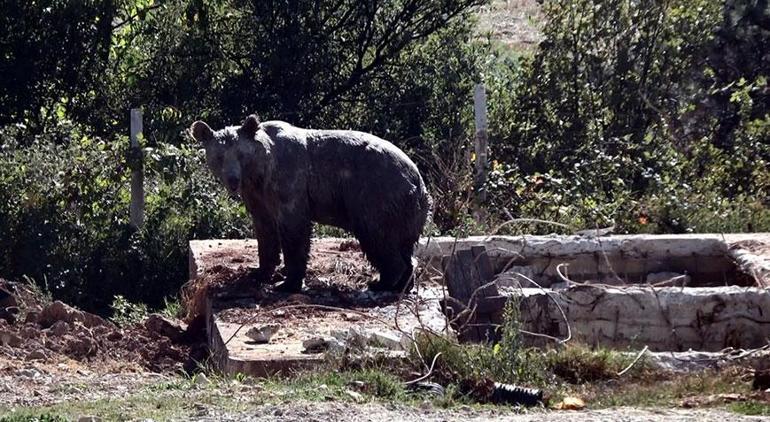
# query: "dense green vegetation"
{"type": "Point", "coordinates": [652, 117]}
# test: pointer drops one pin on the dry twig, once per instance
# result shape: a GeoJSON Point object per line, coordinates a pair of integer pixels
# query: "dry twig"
{"type": "Point", "coordinates": [639, 356]}
{"type": "Point", "coordinates": [428, 374]}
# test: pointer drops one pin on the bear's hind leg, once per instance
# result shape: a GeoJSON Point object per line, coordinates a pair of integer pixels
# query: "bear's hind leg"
{"type": "Point", "coordinates": [406, 282]}
{"type": "Point", "coordinates": [391, 267]}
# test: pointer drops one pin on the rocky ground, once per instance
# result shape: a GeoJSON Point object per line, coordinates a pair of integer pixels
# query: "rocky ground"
{"type": "Point", "coordinates": [389, 412]}
{"type": "Point", "coordinates": [53, 353]}
{"type": "Point", "coordinates": [58, 360]}
{"type": "Point", "coordinates": [33, 329]}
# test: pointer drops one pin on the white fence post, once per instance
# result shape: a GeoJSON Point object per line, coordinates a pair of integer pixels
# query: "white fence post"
{"type": "Point", "coordinates": [136, 211]}
{"type": "Point", "coordinates": [480, 112]}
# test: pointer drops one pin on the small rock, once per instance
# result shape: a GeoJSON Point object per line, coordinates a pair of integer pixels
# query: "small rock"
{"type": "Point", "coordinates": [262, 333]}
{"type": "Point", "coordinates": [165, 327]}
{"type": "Point", "coordinates": [114, 335]}
{"type": "Point", "coordinates": [571, 403]}
{"type": "Point", "coordinates": [387, 339]}
{"type": "Point", "coordinates": [80, 346]}
{"type": "Point", "coordinates": [59, 328]}
{"type": "Point", "coordinates": [8, 338]}
{"type": "Point", "coordinates": [59, 311]}
{"type": "Point", "coordinates": [278, 412]}
{"type": "Point", "coordinates": [33, 316]}
{"type": "Point", "coordinates": [352, 317]}
{"type": "Point", "coordinates": [357, 397]}
{"type": "Point", "coordinates": [29, 331]}
{"type": "Point", "coordinates": [37, 354]}
{"type": "Point", "coordinates": [28, 373]}
{"type": "Point", "coordinates": [89, 419]}
{"type": "Point", "coordinates": [6, 297]}
{"type": "Point", "coordinates": [664, 279]}
{"type": "Point", "coordinates": [201, 380]}
{"type": "Point", "coordinates": [279, 313]}
{"type": "Point", "coordinates": [7, 316]}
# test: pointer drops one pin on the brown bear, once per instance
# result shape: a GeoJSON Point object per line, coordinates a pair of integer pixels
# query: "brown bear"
{"type": "Point", "coordinates": [289, 177]}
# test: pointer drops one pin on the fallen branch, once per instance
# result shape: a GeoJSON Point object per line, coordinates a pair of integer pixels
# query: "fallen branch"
{"type": "Point", "coordinates": [428, 374]}
{"type": "Point", "coordinates": [563, 314]}
{"type": "Point", "coordinates": [639, 356]}
{"type": "Point", "coordinates": [562, 276]}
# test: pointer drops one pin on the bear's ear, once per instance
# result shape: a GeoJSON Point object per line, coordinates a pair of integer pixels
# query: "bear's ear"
{"type": "Point", "coordinates": [201, 132]}
{"type": "Point", "coordinates": [250, 126]}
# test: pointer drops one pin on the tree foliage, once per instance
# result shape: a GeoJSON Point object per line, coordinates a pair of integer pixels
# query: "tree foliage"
{"type": "Point", "coordinates": [653, 116]}
{"type": "Point", "coordinates": [52, 54]}
{"type": "Point", "coordinates": [615, 116]}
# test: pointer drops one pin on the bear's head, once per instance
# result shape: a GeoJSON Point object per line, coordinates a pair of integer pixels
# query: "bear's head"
{"type": "Point", "coordinates": [226, 149]}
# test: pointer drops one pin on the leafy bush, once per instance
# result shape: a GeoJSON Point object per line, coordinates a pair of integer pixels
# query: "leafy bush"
{"type": "Point", "coordinates": [54, 55]}
{"type": "Point", "coordinates": [125, 313]}
{"type": "Point", "coordinates": [64, 217]}
{"type": "Point", "coordinates": [43, 417]}
{"type": "Point", "coordinates": [609, 122]}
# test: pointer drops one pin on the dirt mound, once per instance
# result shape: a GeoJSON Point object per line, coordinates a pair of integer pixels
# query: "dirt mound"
{"type": "Point", "coordinates": [333, 265]}
{"type": "Point", "coordinates": [41, 331]}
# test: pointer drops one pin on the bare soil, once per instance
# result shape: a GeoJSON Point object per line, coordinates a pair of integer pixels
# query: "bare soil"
{"type": "Point", "coordinates": [515, 23]}
{"type": "Point", "coordinates": [41, 333]}
{"type": "Point", "coordinates": [426, 412]}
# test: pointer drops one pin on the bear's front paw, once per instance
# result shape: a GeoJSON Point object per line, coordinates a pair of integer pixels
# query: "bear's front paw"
{"type": "Point", "coordinates": [262, 275]}
{"type": "Point", "coordinates": [288, 287]}
{"type": "Point", "coordinates": [379, 286]}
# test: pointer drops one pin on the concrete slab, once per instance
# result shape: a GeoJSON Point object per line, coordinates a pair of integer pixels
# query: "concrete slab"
{"type": "Point", "coordinates": [326, 309]}
{"type": "Point", "coordinates": [709, 259]}
{"type": "Point", "coordinates": [360, 313]}
{"type": "Point", "coordinates": [665, 319]}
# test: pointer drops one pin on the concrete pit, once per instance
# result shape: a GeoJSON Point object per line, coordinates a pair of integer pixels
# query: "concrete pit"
{"type": "Point", "coordinates": [669, 292]}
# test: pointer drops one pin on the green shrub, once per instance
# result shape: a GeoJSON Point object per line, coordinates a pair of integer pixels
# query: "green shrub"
{"type": "Point", "coordinates": [125, 313]}
{"type": "Point", "coordinates": [43, 417]}
{"type": "Point", "coordinates": [615, 120]}
{"type": "Point", "coordinates": [64, 218]}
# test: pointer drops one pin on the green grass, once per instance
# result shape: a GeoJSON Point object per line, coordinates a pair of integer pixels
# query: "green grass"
{"type": "Point", "coordinates": [172, 308]}
{"type": "Point", "coordinates": [43, 417]}
{"type": "Point", "coordinates": [750, 408]}
{"type": "Point", "coordinates": [185, 397]}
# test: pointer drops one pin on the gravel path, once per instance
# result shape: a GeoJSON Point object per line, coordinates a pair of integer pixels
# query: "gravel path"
{"type": "Point", "coordinates": [378, 412]}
